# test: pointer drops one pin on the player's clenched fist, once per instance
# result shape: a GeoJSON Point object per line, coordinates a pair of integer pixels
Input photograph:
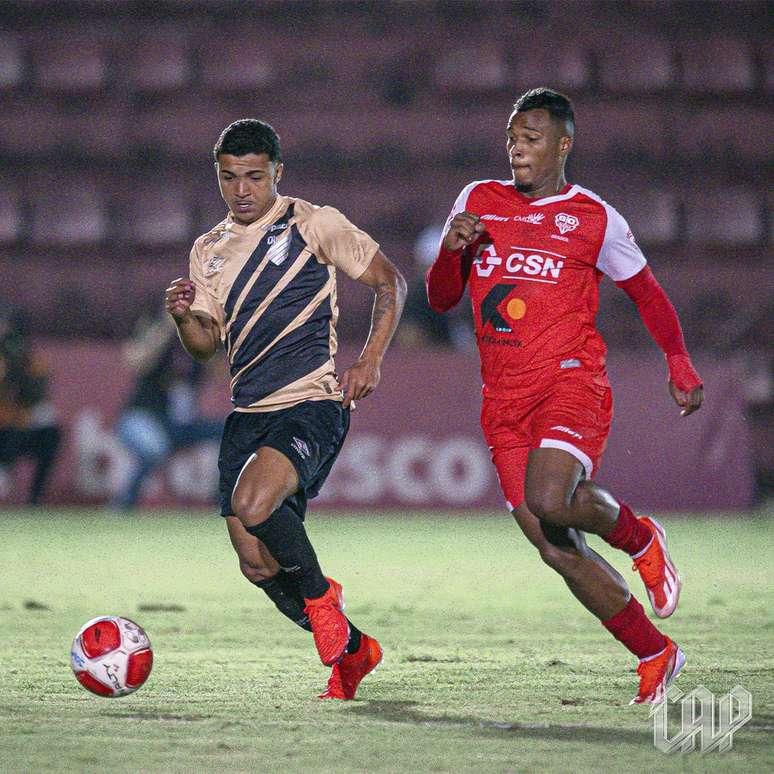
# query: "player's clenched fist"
{"type": "Point", "coordinates": [179, 296]}
{"type": "Point", "coordinates": [464, 229]}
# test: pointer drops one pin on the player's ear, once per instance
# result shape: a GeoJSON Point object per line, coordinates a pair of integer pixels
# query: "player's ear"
{"type": "Point", "coordinates": [565, 145]}
{"type": "Point", "coordinates": [279, 169]}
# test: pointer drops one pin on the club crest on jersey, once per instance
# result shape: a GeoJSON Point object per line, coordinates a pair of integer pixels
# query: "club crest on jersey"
{"type": "Point", "coordinates": [213, 266]}
{"type": "Point", "coordinates": [279, 248]}
{"type": "Point", "coordinates": [565, 222]}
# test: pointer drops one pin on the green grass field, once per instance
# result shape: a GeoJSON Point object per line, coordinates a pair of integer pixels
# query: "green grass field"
{"type": "Point", "coordinates": [490, 665]}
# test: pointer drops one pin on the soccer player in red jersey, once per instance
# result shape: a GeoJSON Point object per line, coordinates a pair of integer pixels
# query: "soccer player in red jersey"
{"type": "Point", "coordinates": [531, 251]}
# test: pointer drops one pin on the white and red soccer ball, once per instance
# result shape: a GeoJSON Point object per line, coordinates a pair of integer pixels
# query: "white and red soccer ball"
{"type": "Point", "coordinates": [111, 656]}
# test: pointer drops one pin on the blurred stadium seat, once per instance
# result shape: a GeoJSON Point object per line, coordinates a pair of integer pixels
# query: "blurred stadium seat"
{"type": "Point", "coordinates": [69, 211]}
{"type": "Point", "coordinates": [651, 212]}
{"type": "Point", "coordinates": [11, 62]}
{"type": "Point", "coordinates": [620, 131]}
{"type": "Point", "coordinates": [732, 133]}
{"type": "Point", "coordinates": [718, 64]}
{"type": "Point", "coordinates": [236, 62]}
{"type": "Point", "coordinates": [727, 215]}
{"type": "Point", "coordinates": [471, 68]}
{"type": "Point", "coordinates": [568, 68]}
{"type": "Point", "coordinates": [10, 213]}
{"type": "Point", "coordinates": [70, 62]}
{"type": "Point", "coordinates": [157, 212]}
{"type": "Point", "coordinates": [644, 63]}
{"type": "Point", "coordinates": [159, 62]}
{"type": "Point", "coordinates": [110, 111]}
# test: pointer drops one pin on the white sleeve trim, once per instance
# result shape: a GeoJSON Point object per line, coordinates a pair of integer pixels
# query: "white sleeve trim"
{"type": "Point", "coordinates": [459, 206]}
{"type": "Point", "coordinates": [619, 257]}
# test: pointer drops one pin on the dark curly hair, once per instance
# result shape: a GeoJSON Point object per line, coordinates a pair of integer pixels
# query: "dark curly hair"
{"type": "Point", "coordinates": [249, 135]}
{"type": "Point", "coordinates": [558, 106]}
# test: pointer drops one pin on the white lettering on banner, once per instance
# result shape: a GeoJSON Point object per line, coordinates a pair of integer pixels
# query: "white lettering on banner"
{"type": "Point", "coordinates": [191, 474]}
{"type": "Point", "coordinates": [104, 465]}
{"type": "Point", "coordinates": [413, 469]}
{"type": "Point", "coordinates": [357, 470]}
{"type": "Point", "coordinates": [407, 468]}
{"type": "Point", "coordinates": [461, 470]}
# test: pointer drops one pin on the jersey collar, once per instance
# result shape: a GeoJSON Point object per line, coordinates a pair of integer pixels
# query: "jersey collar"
{"type": "Point", "coordinates": [279, 206]}
{"type": "Point", "coordinates": [566, 193]}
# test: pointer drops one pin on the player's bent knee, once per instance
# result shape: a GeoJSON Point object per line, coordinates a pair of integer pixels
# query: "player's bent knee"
{"type": "Point", "coordinates": [251, 507]}
{"type": "Point", "coordinates": [556, 535]}
{"type": "Point", "coordinates": [549, 505]}
{"type": "Point", "coordinates": [255, 573]}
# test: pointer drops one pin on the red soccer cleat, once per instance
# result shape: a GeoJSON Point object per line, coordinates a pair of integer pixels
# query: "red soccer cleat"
{"type": "Point", "coordinates": [330, 627]}
{"type": "Point", "coordinates": [659, 575]}
{"type": "Point", "coordinates": [657, 673]}
{"type": "Point", "coordinates": [353, 667]}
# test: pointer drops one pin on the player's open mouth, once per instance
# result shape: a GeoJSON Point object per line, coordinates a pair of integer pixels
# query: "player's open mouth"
{"type": "Point", "coordinates": [243, 205]}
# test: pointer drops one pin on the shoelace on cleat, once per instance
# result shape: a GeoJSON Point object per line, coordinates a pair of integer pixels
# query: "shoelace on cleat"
{"type": "Point", "coordinates": [649, 570]}
{"type": "Point", "coordinates": [326, 619]}
{"type": "Point", "coordinates": [652, 675]}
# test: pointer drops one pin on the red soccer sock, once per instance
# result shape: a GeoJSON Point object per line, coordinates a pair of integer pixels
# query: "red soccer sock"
{"type": "Point", "coordinates": [633, 629]}
{"type": "Point", "coordinates": [629, 533]}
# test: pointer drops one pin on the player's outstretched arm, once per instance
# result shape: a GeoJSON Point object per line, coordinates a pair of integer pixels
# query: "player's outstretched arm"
{"type": "Point", "coordinates": [446, 278]}
{"type": "Point", "coordinates": [389, 288]}
{"type": "Point", "coordinates": [661, 320]}
{"type": "Point", "coordinates": [199, 335]}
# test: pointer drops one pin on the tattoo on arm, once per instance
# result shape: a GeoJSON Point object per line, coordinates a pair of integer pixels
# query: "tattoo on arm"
{"type": "Point", "coordinates": [383, 304]}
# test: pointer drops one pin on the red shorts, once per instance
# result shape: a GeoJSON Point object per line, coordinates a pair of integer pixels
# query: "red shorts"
{"type": "Point", "coordinates": [571, 410]}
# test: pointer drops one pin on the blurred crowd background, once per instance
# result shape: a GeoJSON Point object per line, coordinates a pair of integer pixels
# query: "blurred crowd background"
{"type": "Point", "coordinates": [386, 110]}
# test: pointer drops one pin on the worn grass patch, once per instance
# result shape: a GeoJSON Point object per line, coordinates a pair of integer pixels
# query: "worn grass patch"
{"type": "Point", "coordinates": [490, 665]}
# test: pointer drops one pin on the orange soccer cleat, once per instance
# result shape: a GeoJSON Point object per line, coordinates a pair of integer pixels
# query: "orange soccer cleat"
{"type": "Point", "coordinates": [659, 575]}
{"type": "Point", "coordinates": [657, 673]}
{"type": "Point", "coordinates": [353, 667]}
{"type": "Point", "coordinates": [330, 627]}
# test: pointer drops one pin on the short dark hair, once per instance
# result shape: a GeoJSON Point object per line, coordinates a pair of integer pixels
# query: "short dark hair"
{"type": "Point", "coordinates": [249, 135]}
{"type": "Point", "coordinates": [558, 106]}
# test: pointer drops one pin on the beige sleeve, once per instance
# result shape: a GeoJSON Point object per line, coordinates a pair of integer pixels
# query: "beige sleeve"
{"type": "Point", "coordinates": [203, 303]}
{"type": "Point", "coordinates": [336, 241]}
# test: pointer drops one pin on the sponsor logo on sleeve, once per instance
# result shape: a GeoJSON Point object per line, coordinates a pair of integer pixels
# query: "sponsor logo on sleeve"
{"type": "Point", "coordinates": [213, 266]}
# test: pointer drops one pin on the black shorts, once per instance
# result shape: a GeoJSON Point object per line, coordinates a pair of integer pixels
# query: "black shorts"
{"type": "Point", "coordinates": [310, 435]}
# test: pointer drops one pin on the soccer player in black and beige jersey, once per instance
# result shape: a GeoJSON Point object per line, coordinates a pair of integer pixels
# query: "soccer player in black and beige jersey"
{"type": "Point", "coordinates": [263, 283]}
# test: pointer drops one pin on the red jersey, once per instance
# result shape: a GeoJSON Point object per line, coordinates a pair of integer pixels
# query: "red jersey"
{"type": "Point", "coordinates": [534, 279]}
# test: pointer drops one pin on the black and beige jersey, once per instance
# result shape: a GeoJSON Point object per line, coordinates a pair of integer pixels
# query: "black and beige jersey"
{"type": "Point", "coordinates": [270, 287]}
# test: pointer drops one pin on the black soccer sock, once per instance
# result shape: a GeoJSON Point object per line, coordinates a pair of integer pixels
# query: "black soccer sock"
{"type": "Point", "coordinates": [286, 598]}
{"type": "Point", "coordinates": [284, 535]}
{"type": "Point", "coordinates": [354, 638]}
